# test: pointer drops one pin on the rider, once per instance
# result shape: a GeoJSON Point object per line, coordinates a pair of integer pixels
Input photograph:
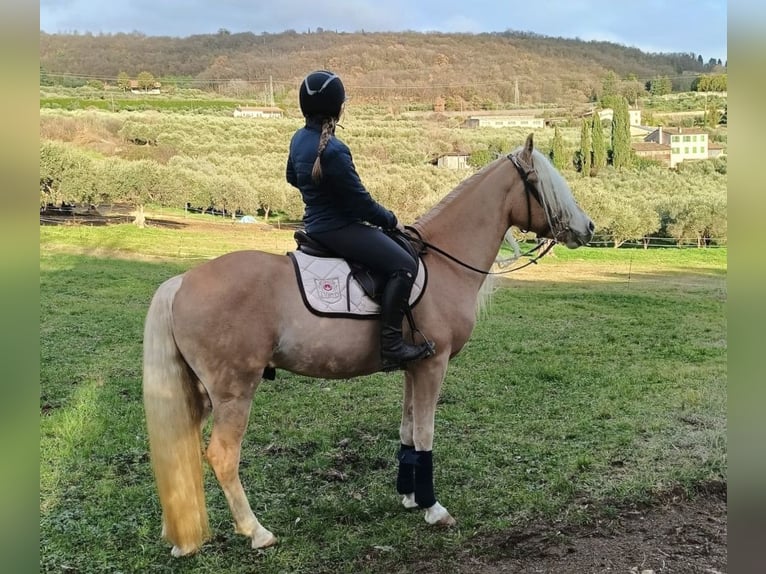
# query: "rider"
{"type": "Point", "coordinates": [342, 215]}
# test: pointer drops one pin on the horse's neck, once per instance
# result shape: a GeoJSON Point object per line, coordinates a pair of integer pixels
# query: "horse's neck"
{"type": "Point", "coordinates": [471, 221]}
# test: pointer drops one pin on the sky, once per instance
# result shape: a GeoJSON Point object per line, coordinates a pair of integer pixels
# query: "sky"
{"type": "Point", "coordinates": [689, 26]}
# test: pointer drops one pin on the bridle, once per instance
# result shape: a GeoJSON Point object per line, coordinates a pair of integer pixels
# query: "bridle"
{"type": "Point", "coordinates": [554, 224]}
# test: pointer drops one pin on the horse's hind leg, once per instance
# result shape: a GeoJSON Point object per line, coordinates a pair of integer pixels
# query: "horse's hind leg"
{"type": "Point", "coordinates": [223, 453]}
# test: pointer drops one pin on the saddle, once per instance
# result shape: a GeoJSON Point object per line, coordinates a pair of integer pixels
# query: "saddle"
{"type": "Point", "coordinates": [332, 286]}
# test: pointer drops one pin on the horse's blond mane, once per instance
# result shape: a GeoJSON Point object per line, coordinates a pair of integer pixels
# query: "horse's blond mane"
{"type": "Point", "coordinates": [484, 298]}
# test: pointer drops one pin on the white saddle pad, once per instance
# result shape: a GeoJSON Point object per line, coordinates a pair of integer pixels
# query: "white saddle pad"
{"type": "Point", "coordinates": [328, 290]}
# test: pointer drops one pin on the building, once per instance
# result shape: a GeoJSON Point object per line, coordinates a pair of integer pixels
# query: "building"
{"type": "Point", "coordinates": [136, 89]}
{"type": "Point", "coordinates": [251, 112]}
{"type": "Point", "coordinates": [452, 160]}
{"type": "Point", "coordinates": [634, 116]}
{"type": "Point", "coordinates": [684, 143]}
{"type": "Point", "coordinates": [488, 121]}
{"type": "Point", "coordinates": [715, 150]}
{"type": "Point", "coordinates": [653, 151]}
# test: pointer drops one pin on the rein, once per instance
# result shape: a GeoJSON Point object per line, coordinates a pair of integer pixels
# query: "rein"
{"type": "Point", "coordinates": [425, 244]}
{"type": "Point", "coordinates": [530, 189]}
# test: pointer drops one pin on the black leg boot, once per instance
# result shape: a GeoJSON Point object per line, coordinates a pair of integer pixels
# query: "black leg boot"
{"type": "Point", "coordinates": [394, 351]}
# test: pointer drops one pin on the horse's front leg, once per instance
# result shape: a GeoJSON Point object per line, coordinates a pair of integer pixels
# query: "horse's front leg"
{"type": "Point", "coordinates": [405, 478]}
{"type": "Point", "coordinates": [415, 478]}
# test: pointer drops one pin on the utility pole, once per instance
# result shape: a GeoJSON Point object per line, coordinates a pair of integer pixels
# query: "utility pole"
{"type": "Point", "coordinates": [271, 92]}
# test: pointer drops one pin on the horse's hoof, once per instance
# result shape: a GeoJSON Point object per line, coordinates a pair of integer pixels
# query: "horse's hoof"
{"type": "Point", "coordinates": [264, 539]}
{"type": "Point", "coordinates": [446, 522]}
{"type": "Point", "coordinates": [178, 552]}
{"type": "Point", "coordinates": [408, 501]}
{"type": "Point", "coordinates": [437, 515]}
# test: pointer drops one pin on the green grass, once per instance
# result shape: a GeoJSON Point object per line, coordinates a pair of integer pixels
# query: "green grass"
{"type": "Point", "coordinates": [595, 378]}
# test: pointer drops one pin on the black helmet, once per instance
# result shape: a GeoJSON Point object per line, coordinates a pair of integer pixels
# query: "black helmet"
{"type": "Point", "coordinates": [322, 94]}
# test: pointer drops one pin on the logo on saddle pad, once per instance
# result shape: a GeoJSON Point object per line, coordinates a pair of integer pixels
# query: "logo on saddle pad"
{"type": "Point", "coordinates": [329, 289]}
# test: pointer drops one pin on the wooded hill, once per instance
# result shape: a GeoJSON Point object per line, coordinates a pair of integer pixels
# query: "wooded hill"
{"type": "Point", "coordinates": [487, 69]}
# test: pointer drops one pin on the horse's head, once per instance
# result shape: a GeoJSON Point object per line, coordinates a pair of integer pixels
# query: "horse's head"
{"type": "Point", "coordinates": [552, 211]}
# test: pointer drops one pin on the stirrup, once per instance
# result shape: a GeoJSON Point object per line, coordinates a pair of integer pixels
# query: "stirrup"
{"type": "Point", "coordinates": [390, 364]}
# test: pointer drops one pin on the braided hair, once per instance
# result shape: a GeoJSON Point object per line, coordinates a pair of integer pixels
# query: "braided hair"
{"type": "Point", "coordinates": [328, 129]}
{"type": "Point", "coordinates": [321, 97]}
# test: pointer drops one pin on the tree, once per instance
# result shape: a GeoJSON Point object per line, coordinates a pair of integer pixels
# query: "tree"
{"type": "Point", "coordinates": [621, 134]}
{"type": "Point", "coordinates": [633, 218]}
{"type": "Point", "coordinates": [136, 182]}
{"type": "Point", "coordinates": [599, 145]}
{"type": "Point", "coordinates": [481, 157]}
{"type": "Point", "coordinates": [557, 150]}
{"type": "Point", "coordinates": [45, 79]}
{"type": "Point", "coordinates": [698, 218]}
{"type": "Point", "coordinates": [710, 83]}
{"type": "Point", "coordinates": [145, 81]}
{"type": "Point", "coordinates": [666, 85]}
{"type": "Point", "coordinates": [123, 81]}
{"type": "Point", "coordinates": [69, 175]}
{"type": "Point", "coordinates": [586, 148]}
{"type": "Point", "coordinates": [610, 86]}
{"type": "Point", "coordinates": [660, 86]}
{"type": "Point", "coordinates": [632, 89]}
{"type": "Point", "coordinates": [712, 116]}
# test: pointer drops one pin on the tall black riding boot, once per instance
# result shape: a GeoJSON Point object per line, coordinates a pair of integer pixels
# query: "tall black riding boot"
{"type": "Point", "coordinates": [394, 351]}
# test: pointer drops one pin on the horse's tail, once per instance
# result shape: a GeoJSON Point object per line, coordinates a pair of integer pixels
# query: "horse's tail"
{"type": "Point", "coordinates": [174, 412]}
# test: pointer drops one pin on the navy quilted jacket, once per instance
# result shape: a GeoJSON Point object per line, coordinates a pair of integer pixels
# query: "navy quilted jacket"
{"type": "Point", "coordinates": [339, 198]}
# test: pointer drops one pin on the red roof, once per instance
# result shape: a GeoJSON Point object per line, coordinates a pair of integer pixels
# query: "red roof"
{"type": "Point", "coordinates": [650, 146]}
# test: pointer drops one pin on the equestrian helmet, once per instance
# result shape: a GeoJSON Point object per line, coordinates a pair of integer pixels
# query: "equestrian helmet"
{"type": "Point", "coordinates": [322, 94]}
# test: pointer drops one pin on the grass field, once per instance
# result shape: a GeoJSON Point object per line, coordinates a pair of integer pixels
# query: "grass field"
{"type": "Point", "coordinates": [594, 378]}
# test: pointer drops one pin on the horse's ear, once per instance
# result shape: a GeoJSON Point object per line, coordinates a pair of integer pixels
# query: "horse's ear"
{"type": "Point", "coordinates": [526, 153]}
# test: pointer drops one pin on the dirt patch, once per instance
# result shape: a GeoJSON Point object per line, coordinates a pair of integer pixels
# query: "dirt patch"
{"type": "Point", "coordinates": [677, 534]}
{"type": "Point", "coordinates": [119, 215]}
{"type": "Point", "coordinates": [91, 216]}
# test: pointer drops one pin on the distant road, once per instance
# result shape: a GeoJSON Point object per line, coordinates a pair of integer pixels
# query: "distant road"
{"type": "Point", "coordinates": [532, 112]}
{"type": "Point", "coordinates": [687, 113]}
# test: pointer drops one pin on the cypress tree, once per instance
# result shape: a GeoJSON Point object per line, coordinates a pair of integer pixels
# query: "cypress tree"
{"type": "Point", "coordinates": [557, 150]}
{"type": "Point", "coordinates": [586, 146]}
{"type": "Point", "coordinates": [620, 134]}
{"type": "Point", "coordinates": [599, 145]}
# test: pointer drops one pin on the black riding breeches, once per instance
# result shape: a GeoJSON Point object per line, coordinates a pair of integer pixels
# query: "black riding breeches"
{"type": "Point", "coordinates": [368, 246]}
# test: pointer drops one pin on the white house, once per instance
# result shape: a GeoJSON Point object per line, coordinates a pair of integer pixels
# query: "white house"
{"type": "Point", "coordinates": [634, 116]}
{"type": "Point", "coordinates": [251, 112]}
{"type": "Point", "coordinates": [684, 143]}
{"type": "Point", "coordinates": [504, 122]}
{"type": "Point", "coordinates": [453, 160]}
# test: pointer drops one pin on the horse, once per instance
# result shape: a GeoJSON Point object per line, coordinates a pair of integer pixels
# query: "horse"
{"type": "Point", "coordinates": [213, 332]}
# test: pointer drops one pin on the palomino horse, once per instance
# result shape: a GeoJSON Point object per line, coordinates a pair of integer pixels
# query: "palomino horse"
{"type": "Point", "coordinates": [201, 357]}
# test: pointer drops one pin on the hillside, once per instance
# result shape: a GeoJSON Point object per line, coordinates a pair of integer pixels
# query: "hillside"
{"type": "Point", "coordinates": [485, 69]}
